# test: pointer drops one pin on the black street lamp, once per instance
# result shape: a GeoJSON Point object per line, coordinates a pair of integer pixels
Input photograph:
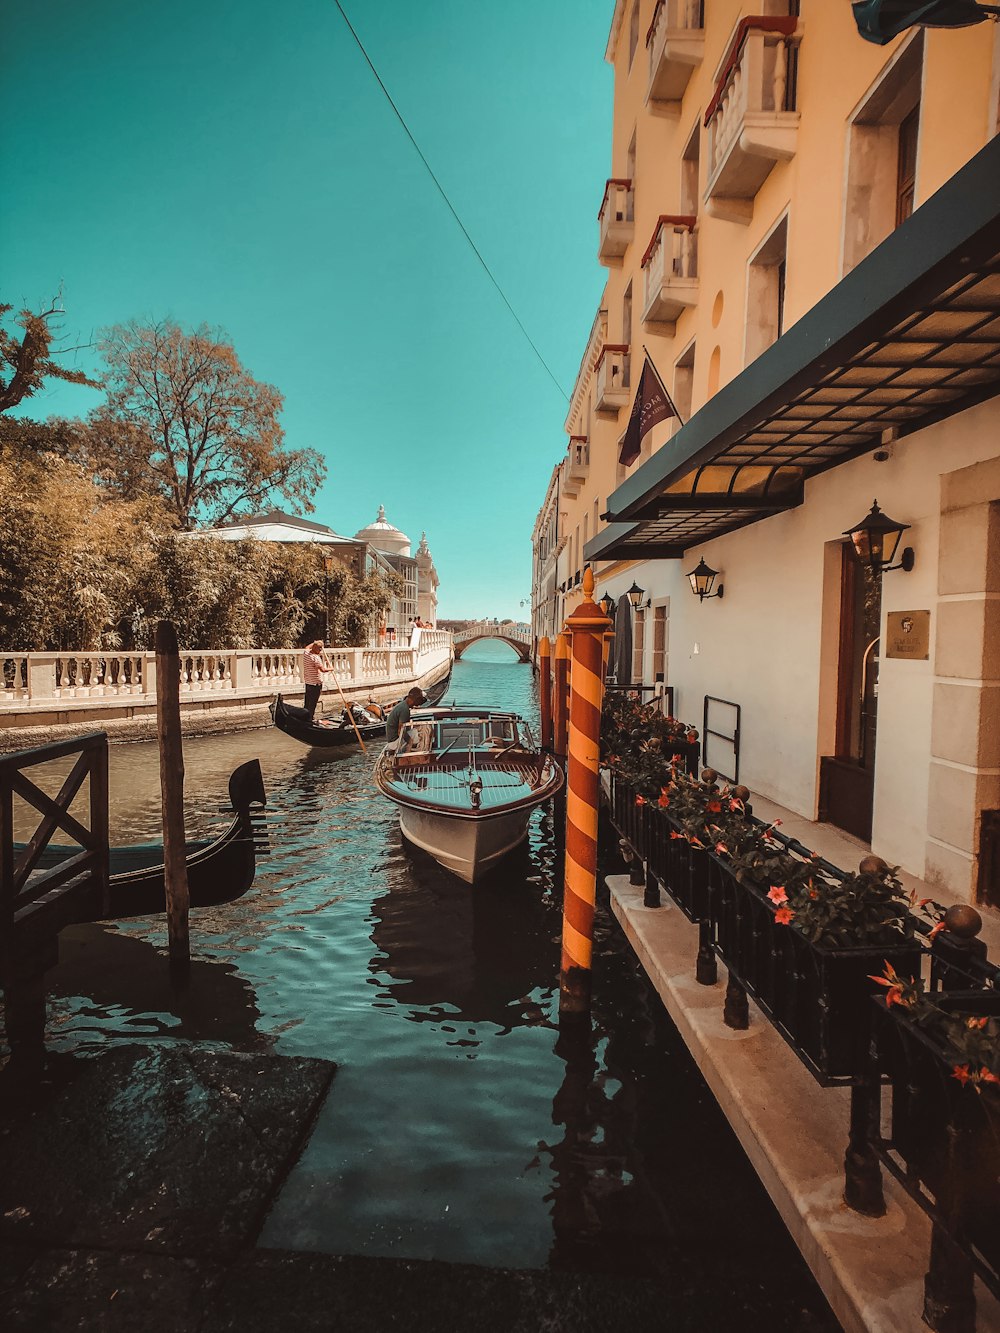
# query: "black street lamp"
{"type": "Point", "coordinates": [701, 578]}
{"type": "Point", "coordinates": [875, 540]}
{"type": "Point", "coordinates": [607, 604]}
{"type": "Point", "coordinates": [635, 595]}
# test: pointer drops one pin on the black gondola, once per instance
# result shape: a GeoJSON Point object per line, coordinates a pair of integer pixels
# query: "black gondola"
{"type": "Point", "coordinates": [296, 722]}
{"type": "Point", "coordinates": [323, 734]}
{"type": "Point", "coordinates": [220, 869]}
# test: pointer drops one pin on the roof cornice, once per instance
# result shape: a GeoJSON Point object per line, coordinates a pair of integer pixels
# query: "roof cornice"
{"type": "Point", "coordinates": [616, 27]}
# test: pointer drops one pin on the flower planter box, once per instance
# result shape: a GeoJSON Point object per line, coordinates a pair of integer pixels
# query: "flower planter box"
{"type": "Point", "coordinates": [818, 997]}
{"type": "Point", "coordinates": [944, 1138]}
{"type": "Point", "coordinates": [681, 869]}
{"type": "Point", "coordinates": [628, 817]}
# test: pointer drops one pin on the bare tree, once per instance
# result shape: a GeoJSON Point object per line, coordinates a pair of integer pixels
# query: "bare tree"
{"type": "Point", "coordinates": [185, 420]}
{"type": "Point", "coordinates": [28, 357]}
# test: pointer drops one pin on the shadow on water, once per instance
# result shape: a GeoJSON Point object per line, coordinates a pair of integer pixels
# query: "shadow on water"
{"type": "Point", "coordinates": [463, 1124]}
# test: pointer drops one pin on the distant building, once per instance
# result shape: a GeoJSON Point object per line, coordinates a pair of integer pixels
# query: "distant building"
{"type": "Point", "coordinates": [427, 583]}
{"type": "Point", "coordinates": [420, 580]}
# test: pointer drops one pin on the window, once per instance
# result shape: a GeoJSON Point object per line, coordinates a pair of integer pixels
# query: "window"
{"type": "Point", "coordinates": [690, 168]}
{"type": "Point", "coordinates": [638, 646]}
{"type": "Point", "coordinates": [684, 383]}
{"type": "Point", "coordinates": [906, 170]}
{"type": "Point", "coordinates": [633, 33]}
{"type": "Point", "coordinates": [660, 622]}
{"type": "Point", "coordinates": [630, 161]}
{"type": "Point", "coordinates": [627, 316]}
{"type": "Point", "coordinates": [882, 148]}
{"type": "Point", "coordinates": [766, 292]}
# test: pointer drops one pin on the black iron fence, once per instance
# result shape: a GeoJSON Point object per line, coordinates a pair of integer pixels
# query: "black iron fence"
{"type": "Point", "coordinates": [943, 1139]}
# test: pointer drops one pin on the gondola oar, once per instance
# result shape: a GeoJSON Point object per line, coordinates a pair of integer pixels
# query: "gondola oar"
{"type": "Point", "coordinates": [348, 709]}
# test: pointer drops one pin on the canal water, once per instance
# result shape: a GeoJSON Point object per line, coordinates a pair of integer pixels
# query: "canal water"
{"type": "Point", "coordinates": [461, 1125]}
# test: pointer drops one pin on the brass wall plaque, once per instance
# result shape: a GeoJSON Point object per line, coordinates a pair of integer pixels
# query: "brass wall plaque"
{"type": "Point", "coordinates": [908, 634]}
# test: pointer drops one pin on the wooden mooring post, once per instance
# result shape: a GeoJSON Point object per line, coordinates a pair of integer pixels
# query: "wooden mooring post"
{"type": "Point", "coordinates": [545, 690]}
{"type": "Point", "coordinates": [560, 698]}
{"type": "Point", "coordinates": [586, 628]}
{"type": "Point", "coordinates": [168, 735]}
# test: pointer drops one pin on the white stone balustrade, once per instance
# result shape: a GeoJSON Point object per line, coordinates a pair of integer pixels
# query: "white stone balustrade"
{"type": "Point", "coordinates": [670, 270]}
{"type": "Point", "coordinates": [49, 680]}
{"type": "Point", "coordinates": [752, 122]}
{"type": "Point", "coordinates": [676, 45]}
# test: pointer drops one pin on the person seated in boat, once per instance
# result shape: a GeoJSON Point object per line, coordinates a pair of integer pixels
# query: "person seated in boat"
{"type": "Point", "coordinates": [314, 667]}
{"type": "Point", "coordinates": [401, 713]}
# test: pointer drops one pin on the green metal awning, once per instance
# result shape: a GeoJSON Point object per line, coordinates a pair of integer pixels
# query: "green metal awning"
{"type": "Point", "coordinates": [909, 337]}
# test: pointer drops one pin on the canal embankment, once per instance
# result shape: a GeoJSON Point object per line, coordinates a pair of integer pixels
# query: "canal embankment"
{"type": "Point", "coordinates": [793, 1130]}
{"type": "Point", "coordinates": [49, 698]}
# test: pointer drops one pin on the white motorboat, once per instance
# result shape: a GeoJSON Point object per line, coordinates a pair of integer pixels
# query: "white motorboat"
{"type": "Point", "coordinates": [466, 781]}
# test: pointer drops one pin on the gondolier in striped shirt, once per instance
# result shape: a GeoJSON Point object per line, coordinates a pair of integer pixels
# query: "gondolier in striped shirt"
{"type": "Point", "coordinates": [314, 667]}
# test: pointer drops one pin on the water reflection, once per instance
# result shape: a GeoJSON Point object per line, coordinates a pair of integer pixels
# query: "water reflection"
{"type": "Point", "coordinates": [462, 1124]}
{"type": "Point", "coordinates": [107, 978]}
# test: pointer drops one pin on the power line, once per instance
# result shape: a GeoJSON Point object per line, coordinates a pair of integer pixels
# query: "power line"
{"type": "Point", "coordinates": [451, 207]}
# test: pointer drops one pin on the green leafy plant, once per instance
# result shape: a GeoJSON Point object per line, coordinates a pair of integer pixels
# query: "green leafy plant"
{"type": "Point", "coordinates": [970, 1043]}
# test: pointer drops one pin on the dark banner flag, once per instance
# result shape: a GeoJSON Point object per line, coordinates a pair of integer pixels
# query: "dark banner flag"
{"type": "Point", "coordinates": [652, 405]}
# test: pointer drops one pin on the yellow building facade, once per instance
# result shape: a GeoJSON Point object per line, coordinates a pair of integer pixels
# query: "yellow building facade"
{"type": "Point", "coordinates": [800, 231]}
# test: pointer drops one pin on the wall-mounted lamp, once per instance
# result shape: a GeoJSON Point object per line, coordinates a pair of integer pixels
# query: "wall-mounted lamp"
{"type": "Point", "coordinates": [702, 578]}
{"type": "Point", "coordinates": [635, 595]}
{"type": "Point", "coordinates": [876, 539]}
{"type": "Point", "coordinates": [607, 604]}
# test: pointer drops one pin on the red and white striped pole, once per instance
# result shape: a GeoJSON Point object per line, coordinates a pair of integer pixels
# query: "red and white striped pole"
{"type": "Point", "coordinates": [586, 628]}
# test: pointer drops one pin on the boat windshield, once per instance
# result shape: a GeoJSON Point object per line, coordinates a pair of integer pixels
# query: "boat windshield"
{"type": "Point", "coordinates": [460, 734]}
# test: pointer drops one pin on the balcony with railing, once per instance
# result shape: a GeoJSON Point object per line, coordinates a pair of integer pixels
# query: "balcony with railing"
{"type": "Point", "coordinates": [670, 270]}
{"type": "Point", "coordinates": [616, 219]}
{"type": "Point", "coordinates": [577, 465]}
{"type": "Point", "coordinates": [676, 44]}
{"type": "Point", "coordinates": [613, 377]}
{"type": "Point", "coordinates": [751, 120]}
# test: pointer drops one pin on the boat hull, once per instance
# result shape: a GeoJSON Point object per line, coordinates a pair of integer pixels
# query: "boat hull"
{"type": "Point", "coordinates": [468, 847]}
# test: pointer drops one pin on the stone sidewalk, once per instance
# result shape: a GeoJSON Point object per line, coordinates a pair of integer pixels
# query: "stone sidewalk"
{"type": "Point", "coordinates": [133, 1188]}
{"type": "Point", "coordinates": [794, 1131]}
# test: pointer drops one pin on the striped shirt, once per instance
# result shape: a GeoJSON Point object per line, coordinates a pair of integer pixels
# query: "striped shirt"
{"type": "Point", "coordinates": [313, 667]}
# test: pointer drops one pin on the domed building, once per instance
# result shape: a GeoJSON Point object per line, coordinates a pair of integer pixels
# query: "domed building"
{"type": "Point", "coordinates": [420, 580]}
{"type": "Point", "coordinates": [383, 536]}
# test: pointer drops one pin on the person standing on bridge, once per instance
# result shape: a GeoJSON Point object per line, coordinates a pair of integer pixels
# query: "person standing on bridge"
{"type": "Point", "coordinates": [314, 667]}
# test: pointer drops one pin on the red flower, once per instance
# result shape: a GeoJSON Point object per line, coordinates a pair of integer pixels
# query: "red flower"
{"type": "Point", "coordinates": [640, 800]}
{"type": "Point", "coordinates": [985, 1076]}
{"type": "Point", "coordinates": [735, 805]}
{"type": "Point", "coordinates": [714, 808]}
{"type": "Point", "coordinates": [961, 1072]}
{"type": "Point", "coordinates": [783, 916]}
{"type": "Point", "coordinates": [664, 800]}
{"type": "Point", "coordinates": [976, 1022]}
{"type": "Point", "coordinates": [721, 849]}
{"type": "Point", "coordinates": [676, 835]}
{"type": "Point", "coordinates": [936, 930]}
{"type": "Point", "coordinates": [696, 842]}
{"type": "Point", "coordinates": [777, 895]}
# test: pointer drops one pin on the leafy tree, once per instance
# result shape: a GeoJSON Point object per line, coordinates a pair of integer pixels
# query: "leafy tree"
{"type": "Point", "coordinates": [185, 420]}
{"type": "Point", "coordinates": [26, 359]}
{"type": "Point", "coordinates": [68, 555]}
{"type": "Point", "coordinates": [357, 604]}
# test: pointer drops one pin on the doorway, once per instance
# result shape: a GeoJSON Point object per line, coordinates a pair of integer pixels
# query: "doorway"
{"type": "Point", "coordinates": [847, 778]}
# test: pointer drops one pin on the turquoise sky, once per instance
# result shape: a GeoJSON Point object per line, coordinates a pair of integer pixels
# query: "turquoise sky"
{"type": "Point", "coordinates": [234, 162]}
